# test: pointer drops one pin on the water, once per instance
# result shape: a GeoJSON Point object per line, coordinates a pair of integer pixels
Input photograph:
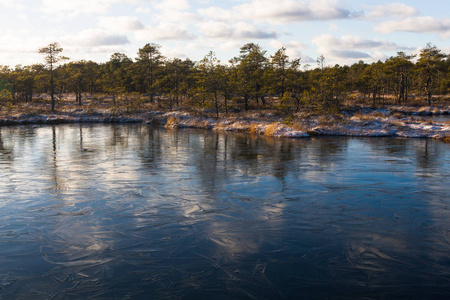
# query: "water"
{"type": "Point", "coordinates": [135, 212]}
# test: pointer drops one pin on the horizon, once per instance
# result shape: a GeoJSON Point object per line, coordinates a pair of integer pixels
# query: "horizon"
{"type": "Point", "coordinates": [343, 31]}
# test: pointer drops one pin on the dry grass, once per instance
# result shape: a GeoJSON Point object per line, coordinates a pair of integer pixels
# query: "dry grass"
{"type": "Point", "coordinates": [398, 115]}
{"type": "Point", "coordinates": [364, 117]}
{"type": "Point", "coordinates": [446, 139]}
{"type": "Point", "coordinates": [220, 126]}
{"type": "Point", "coordinates": [300, 126]}
{"type": "Point", "coordinates": [253, 128]}
{"type": "Point", "coordinates": [172, 122]}
{"type": "Point", "coordinates": [325, 120]}
{"type": "Point", "coordinates": [271, 129]}
{"type": "Point", "coordinates": [398, 123]}
{"type": "Point", "coordinates": [378, 114]}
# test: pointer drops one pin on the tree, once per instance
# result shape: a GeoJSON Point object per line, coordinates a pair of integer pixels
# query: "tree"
{"type": "Point", "coordinates": [375, 75]}
{"type": "Point", "coordinates": [210, 77]}
{"type": "Point", "coordinates": [400, 67]}
{"type": "Point", "coordinates": [281, 69]}
{"type": "Point", "coordinates": [252, 62]}
{"type": "Point", "coordinates": [24, 82]}
{"type": "Point", "coordinates": [175, 79]}
{"type": "Point", "coordinates": [92, 73]}
{"type": "Point", "coordinates": [52, 57]}
{"type": "Point", "coordinates": [76, 74]}
{"type": "Point", "coordinates": [358, 80]}
{"type": "Point", "coordinates": [282, 78]}
{"type": "Point", "coordinates": [149, 59]}
{"type": "Point", "coordinates": [114, 77]}
{"type": "Point", "coordinates": [429, 65]}
{"type": "Point", "coordinates": [321, 64]}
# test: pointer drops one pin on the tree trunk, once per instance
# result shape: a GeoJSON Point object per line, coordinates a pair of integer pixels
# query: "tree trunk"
{"type": "Point", "coordinates": [263, 100]}
{"type": "Point", "coordinates": [52, 89]}
{"type": "Point", "coordinates": [401, 92]}
{"type": "Point", "coordinates": [225, 103]}
{"type": "Point", "coordinates": [216, 103]}
{"type": "Point", "coordinates": [374, 97]}
{"type": "Point", "coordinates": [406, 89]}
{"type": "Point", "coordinates": [428, 89]}
{"type": "Point", "coordinates": [79, 96]}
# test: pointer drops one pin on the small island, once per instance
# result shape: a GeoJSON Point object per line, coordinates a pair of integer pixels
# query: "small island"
{"type": "Point", "coordinates": [253, 92]}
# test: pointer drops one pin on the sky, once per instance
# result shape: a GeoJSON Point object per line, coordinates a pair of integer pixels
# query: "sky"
{"type": "Point", "coordinates": [343, 31]}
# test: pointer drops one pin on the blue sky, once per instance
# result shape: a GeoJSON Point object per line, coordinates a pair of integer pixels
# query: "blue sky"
{"type": "Point", "coordinates": [344, 31]}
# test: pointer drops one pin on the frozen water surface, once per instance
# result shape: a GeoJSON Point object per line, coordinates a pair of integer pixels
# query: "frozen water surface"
{"type": "Point", "coordinates": [135, 212]}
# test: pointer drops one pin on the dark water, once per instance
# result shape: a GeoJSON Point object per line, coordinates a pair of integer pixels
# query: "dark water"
{"type": "Point", "coordinates": [131, 212]}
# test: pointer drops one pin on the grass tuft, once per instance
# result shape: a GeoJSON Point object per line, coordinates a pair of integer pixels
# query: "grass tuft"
{"type": "Point", "coordinates": [172, 122]}
{"type": "Point", "coordinates": [253, 128]}
{"type": "Point", "coordinates": [271, 129]}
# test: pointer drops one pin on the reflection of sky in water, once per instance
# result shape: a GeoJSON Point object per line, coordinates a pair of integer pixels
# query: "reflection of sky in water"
{"type": "Point", "coordinates": [127, 211]}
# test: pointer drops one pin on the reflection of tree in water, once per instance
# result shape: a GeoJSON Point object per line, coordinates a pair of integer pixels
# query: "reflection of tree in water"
{"type": "Point", "coordinates": [424, 152]}
{"type": "Point", "coordinates": [119, 136]}
{"type": "Point", "coordinates": [248, 240]}
{"type": "Point", "coordinates": [7, 152]}
{"type": "Point", "coordinates": [209, 158]}
{"type": "Point", "coordinates": [222, 155]}
{"type": "Point", "coordinates": [59, 185]}
{"type": "Point", "coordinates": [14, 139]}
{"type": "Point", "coordinates": [285, 155]}
{"type": "Point", "coordinates": [427, 155]}
{"type": "Point", "coordinates": [265, 155]}
{"type": "Point", "coordinates": [392, 147]}
{"type": "Point", "coordinates": [329, 148]}
{"type": "Point", "coordinates": [151, 142]}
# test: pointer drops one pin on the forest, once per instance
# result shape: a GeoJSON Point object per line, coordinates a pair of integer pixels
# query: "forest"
{"type": "Point", "coordinates": [252, 80]}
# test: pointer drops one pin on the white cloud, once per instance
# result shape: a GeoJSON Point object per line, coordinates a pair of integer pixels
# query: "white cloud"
{"type": "Point", "coordinates": [279, 12]}
{"type": "Point", "coordinates": [419, 25]}
{"type": "Point", "coordinates": [15, 44]}
{"type": "Point", "coordinates": [238, 30]}
{"type": "Point", "coordinates": [8, 4]}
{"type": "Point", "coordinates": [165, 31]}
{"type": "Point", "coordinates": [292, 44]}
{"type": "Point", "coordinates": [293, 48]}
{"type": "Point", "coordinates": [217, 14]}
{"type": "Point", "coordinates": [353, 42]}
{"type": "Point", "coordinates": [349, 54]}
{"type": "Point", "coordinates": [80, 6]}
{"type": "Point", "coordinates": [353, 47]}
{"type": "Point", "coordinates": [121, 24]}
{"type": "Point", "coordinates": [22, 48]}
{"type": "Point", "coordinates": [392, 10]}
{"type": "Point", "coordinates": [143, 10]}
{"type": "Point", "coordinates": [174, 11]}
{"type": "Point", "coordinates": [96, 38]}
{"type": "Point", "coordinates": [173, 52]}
{"type": "Point", "coordinates": [172, 5]}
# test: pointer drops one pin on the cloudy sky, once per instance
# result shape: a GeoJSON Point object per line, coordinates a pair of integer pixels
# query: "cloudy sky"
{"type": "Point", "coordinates": [344, 31]}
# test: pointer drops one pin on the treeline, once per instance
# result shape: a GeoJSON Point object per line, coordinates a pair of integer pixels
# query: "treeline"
{"type": "Point", "coordinates": [251, 80]}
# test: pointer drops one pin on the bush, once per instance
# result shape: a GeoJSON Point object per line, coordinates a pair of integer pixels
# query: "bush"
{"type": "Point", "coordinates": [287, 104]}
{"type": "Point", "coordinates": [5, 95]}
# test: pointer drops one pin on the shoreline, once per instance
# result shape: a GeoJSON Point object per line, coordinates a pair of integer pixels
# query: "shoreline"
{"type": "Point", "coordinates": [365, 122]}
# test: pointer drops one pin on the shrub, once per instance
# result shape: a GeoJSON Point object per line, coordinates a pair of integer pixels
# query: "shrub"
{"type": "Point", "coordinates": [5, 95]}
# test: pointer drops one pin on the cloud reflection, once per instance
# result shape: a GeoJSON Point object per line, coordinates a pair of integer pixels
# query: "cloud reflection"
{"type": "Point", "coordinates": [106, 209]}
